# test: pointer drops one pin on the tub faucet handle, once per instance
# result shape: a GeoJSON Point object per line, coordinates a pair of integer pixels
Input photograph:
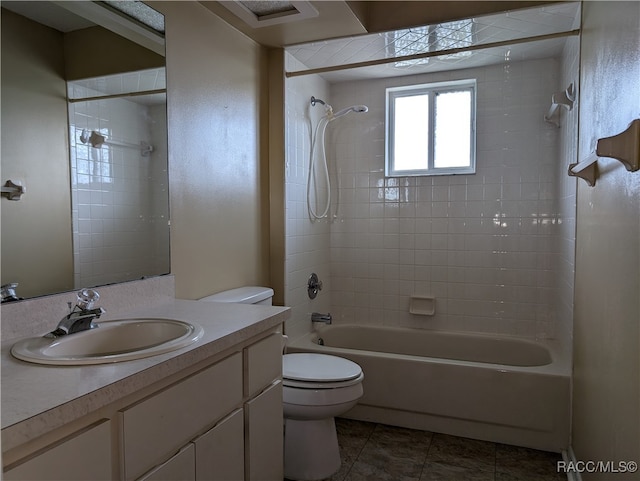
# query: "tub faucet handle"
{"type": "Point", "coordinates": [314, 285]}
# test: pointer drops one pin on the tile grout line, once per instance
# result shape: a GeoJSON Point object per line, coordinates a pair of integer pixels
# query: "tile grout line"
{"type": "Point", "coordinates": [426, 457]}
{"type": "Point", "coordinates": [355, 460]}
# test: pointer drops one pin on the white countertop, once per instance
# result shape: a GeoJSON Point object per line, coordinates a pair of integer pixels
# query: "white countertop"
{"type": "Point", "coordinates": [39, 398]}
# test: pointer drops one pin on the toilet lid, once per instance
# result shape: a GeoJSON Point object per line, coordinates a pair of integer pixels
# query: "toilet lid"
{"type": "Point", "coordinates": [318, 368]}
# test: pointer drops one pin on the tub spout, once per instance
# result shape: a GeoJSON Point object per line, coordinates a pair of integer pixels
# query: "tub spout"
{"type": "Point", "coordinates": [317, 317]}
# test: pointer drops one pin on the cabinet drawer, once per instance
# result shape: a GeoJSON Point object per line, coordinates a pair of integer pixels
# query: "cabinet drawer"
{"type": "Point", "coordinates": [263, 363]}
{"type": "Point", "coordinates": [265, 436]}
{"type": "Point", "coordinates": [220, 451]}
{"type": "Point", "coordinates": [180, 467]}
{"type": "Point", "coordinates": [163, 423]}
{"type": "Point", "coordinates": [84, 455]}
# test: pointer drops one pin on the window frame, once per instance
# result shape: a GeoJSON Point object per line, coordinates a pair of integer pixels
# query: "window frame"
{"type": "Point", "coordinates": [430, 89]}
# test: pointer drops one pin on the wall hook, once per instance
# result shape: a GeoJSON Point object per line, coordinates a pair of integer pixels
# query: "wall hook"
{"type": "Point", "coordinates": [624, 147]}
{"type": "Point", "coordinates": [565, 99]}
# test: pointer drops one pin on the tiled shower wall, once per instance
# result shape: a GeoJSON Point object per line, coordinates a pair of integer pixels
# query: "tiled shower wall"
{"type": "Point", "coordinates": [562, 301]}
{"type": "Point", "coordinates": [307, 243]}
{"type": "Point", "coordinates": [119, 197]}
{"type": "Point", "coordinates": [485, 246]}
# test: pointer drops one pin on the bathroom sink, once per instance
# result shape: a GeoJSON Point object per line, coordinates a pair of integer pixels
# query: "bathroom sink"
{"type": "Point", "coordinates": [112, 341]}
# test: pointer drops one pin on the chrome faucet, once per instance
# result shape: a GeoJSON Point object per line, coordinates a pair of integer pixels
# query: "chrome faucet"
{"type": "Point", "coordinates": [8, 292]}
{"type": "Point", "coordinates": [317, 317]}
{"type": "Point", "coordinates": [81, 316]}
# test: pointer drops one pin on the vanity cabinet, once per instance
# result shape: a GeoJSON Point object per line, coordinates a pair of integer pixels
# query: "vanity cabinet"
{"type": "Point", "coordinates": [264, 445]}
{"type": "Point", "coordinates": [220, 451]}
{"type": "Point", "coordinates": [220, 420]}
{"type": "Point", "coordinates": [160, 425]}
{"type": "Point", "coordinates": [217, 455]}
{"type": "Point", "coordinates": [180, 467]}
{"type": "Point", "coordinates": [263, 410]}
{"type": "Point", "coordinates": [81, 456]}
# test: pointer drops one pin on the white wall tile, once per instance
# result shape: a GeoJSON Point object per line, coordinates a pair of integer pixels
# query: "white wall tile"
{"type": "Point", "coordinates": [111, 187]}
{"type": "Point", "coordinates": [495, 248]}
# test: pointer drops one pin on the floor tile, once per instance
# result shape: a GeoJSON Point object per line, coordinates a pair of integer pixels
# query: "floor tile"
{"type": "Point", "coordinates": [442, 471]}
{"type": "Point", "coordinates": [391, 453]}
{"type": "Point", "coordinates": [376, 452]}
{"type": "Point", "coordinates": [469, 453]}
{"type": "Point", "coordinates": [352, 436]}
{"type": "Point", "coordinates": [514, 463]}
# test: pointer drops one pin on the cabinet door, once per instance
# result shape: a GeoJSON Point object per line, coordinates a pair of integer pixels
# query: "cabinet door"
{"type": "Point", "coordinates": [180, 467]}
{"type": "Point", "coordinates": [85, 455]}
{"type": "Point", "coordinates": [220, 451]}
{"type": "Point", "coordinates": [160, 425]}
{"type": "Point", "coordinates": [264, 446]}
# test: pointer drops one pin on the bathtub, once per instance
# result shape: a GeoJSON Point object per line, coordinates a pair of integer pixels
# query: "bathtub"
{"type": "Point", "coordinates": [499, 389]}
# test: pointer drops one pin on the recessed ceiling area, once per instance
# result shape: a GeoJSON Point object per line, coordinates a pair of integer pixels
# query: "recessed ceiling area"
{"type": "Point", "coordinates": [334, 18]}
{"type": "Point", "coordinates": [259, 14]}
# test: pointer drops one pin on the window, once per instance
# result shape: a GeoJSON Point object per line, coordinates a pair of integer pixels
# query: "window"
{"type": "Point", "coordinates": [431, 129]}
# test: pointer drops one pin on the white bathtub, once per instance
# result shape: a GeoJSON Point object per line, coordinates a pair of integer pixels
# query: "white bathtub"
{"type": "Point", "coordinates": [499, 389]}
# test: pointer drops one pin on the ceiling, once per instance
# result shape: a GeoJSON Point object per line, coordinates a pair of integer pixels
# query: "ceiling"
{"type": "Point", "coordinates": [335, 18]}
{"type": "Point", "coordinates": [48, 13]}
{"type": "Point", "coordinates": [69, 16]}
{"type": "Point", "coordinates": [343, 33]}
{"type": "Point", "coordinates": [347, 32]}
{"type": "Point", "coordinates": [507, 29]}
{"type": "Point", "coordinates": [339, 18]}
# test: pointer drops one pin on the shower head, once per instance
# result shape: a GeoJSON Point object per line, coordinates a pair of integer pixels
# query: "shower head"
{"type": "Point", "coordinates": [354, 108]}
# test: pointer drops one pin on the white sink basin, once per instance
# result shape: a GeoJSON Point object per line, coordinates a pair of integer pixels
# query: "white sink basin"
{"type": "Point", "coordinates": [112, 341]}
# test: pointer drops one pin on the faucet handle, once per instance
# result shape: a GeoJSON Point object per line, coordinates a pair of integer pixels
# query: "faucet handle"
{"type": "Point", "coordinates": [313, 285]}
{"type": "Point", "coordinates": [8, 292]}
{"type": "Point", "coordinates": [87, 298]}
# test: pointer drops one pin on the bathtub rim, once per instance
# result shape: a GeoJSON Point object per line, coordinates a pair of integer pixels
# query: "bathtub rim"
{"type": "Point", "coordinates": [560, 364]}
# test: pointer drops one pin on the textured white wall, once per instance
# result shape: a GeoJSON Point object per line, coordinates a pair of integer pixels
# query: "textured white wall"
{"type": "Point", "coordinates": [606, 407]}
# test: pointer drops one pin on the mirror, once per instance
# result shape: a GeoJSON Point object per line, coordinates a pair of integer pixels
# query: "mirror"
{"type": "Point", "coordinates": [84, 134]}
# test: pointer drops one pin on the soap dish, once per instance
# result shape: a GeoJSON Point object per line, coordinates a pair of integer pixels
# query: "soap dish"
{"type": "Point", "coordinates": [422, 305]}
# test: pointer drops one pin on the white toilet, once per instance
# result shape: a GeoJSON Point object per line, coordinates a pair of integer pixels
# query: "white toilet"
{"type": "Point", "coordinates": [243, 295]}
{"type": "Point", "coordinates": [316, 388]}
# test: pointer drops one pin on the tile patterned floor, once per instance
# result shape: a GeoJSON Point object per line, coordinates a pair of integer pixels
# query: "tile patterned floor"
{"type": "Point", "coordinates": [375, 452]}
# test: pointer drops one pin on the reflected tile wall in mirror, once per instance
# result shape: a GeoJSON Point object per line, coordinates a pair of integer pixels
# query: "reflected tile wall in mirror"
{"type": "Point", "coordinates": [119, 196]}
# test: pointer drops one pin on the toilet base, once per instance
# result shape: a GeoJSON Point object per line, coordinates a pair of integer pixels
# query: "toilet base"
{"type": "Point", "coordinates": [311, 450]}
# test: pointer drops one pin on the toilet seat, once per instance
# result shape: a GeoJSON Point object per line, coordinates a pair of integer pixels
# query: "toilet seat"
{"type": "Point", "coordinates": [321, 385]}
{"type": "Point", "coordinates": [319, 371]}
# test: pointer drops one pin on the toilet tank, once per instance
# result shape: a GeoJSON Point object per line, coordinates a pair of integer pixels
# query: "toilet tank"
{"type": "Point", "coordinates": [243, 295]}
